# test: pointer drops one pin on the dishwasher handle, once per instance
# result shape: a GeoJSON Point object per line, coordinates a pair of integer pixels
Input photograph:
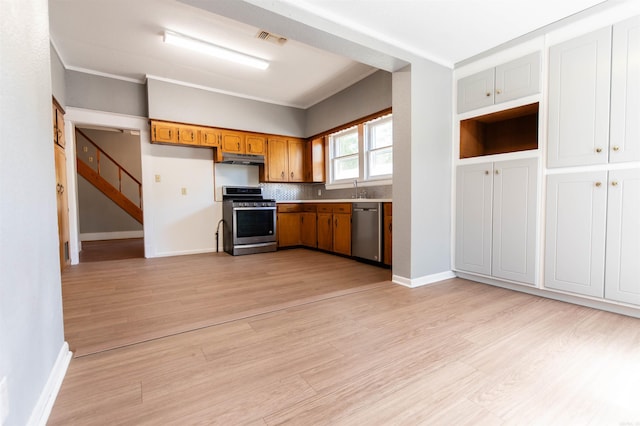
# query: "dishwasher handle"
{"type": "Point", "coordinates": [361, 209]}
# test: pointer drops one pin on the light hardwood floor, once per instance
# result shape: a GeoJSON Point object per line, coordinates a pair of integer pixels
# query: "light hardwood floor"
{"type": "Point", "coordinates": [449, 354]}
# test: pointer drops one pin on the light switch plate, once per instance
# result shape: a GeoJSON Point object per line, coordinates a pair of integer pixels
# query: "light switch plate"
{"type": "Point", "coordinates": [184, 191]}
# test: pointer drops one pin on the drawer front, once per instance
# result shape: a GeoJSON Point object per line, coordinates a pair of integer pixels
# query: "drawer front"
{"type": "Point", "coordinates": [309, 208]}
{"type": "Point", "coordinates": [325, 208]}
{"type": "Point", "coordinates": [342, 208]}
{"type": "Point", "coordinates": [288, 208]}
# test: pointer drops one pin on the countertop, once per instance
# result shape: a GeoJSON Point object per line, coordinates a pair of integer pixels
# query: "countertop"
{"type": "Point", "coordinates": [339, 200]}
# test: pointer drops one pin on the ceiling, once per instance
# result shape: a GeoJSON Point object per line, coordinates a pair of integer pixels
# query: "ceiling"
{"type": "Point", "coordinates": [331, 43]}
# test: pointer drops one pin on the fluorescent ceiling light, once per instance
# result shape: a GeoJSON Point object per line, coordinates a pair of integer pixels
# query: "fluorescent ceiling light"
{"type": "Point", "coordinates": [214, 50]}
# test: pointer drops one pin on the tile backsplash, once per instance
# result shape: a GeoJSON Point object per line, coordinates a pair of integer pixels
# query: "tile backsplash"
{"type": "Point", "coordinates": [306, 191]}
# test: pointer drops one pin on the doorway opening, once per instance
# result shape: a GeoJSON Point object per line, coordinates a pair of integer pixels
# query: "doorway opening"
{"type": "Point", "coordinates": [109, 190]}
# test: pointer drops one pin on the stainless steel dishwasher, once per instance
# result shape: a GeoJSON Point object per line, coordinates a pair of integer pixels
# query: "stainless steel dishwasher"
{"type": "Point", "coordinates": [366, 231]}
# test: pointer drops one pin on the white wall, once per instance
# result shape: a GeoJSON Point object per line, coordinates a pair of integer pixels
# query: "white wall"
{"type": "Point", "coordinates": [31, 328]}
{"type": "Point", "coordinates": [179, 224]}
{"type": "Point", "coordinates": [176, 102]}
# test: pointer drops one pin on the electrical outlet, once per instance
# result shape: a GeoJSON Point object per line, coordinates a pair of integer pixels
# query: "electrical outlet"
{"type": "Point", "coordinates": [157, 178]}
{"type": "Point", "coordinates": [4, 400]}
{"type": "Point", "coordinates": [319, 192]}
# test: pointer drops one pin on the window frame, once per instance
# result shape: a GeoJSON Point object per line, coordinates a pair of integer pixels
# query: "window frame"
{"type": "Point", "coordinates": [364, 178]}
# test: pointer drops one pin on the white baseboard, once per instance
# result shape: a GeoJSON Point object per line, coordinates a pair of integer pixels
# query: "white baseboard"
{"type": "Point", "coordinates": [120, 235]}
{"type": "Point", "coordinates": [183, 252]}
{"type": "Point", "coordinates": [422, 281]}
{"type": "Point", "coordinates": [42, 410]}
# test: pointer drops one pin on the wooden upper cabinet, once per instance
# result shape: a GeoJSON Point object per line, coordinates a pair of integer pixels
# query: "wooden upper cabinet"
{"type": "Point", "coordinates": [276, 162]}
{"type": "Point", "coordinates": [315, 160]}
{"type": "Point", "coordinates": [233, 142]}
{"type": "Point", "coordinates": [210, 136]}
{"type": "Point", "coordinates": [255, 144]}
{"type": "Point", "coordinates": [164, 132]}
{"type": "Point", "coordinates": [295, 160]}
{"type": "Point", "coordinates": [188, 135]}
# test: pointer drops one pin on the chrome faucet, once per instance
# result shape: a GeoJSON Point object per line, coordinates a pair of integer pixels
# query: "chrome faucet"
{"type": "Point", "coordinates": [355, 184]}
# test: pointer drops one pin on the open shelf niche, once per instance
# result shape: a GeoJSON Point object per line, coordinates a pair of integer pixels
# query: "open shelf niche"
{"type": "Point", "coordinates": [511, 130]}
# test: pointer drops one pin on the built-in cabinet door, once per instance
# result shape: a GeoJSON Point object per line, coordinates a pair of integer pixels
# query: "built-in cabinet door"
{"type": "Point", "coordinates": [476, 91]}
{"type": "Point", "coordinates": [622, 280]}
{"type": "Point", "coordinates": [256, 144]}
{"type": "Point", "coordinates": [63, 205]}
{"type": "Point", "coordinates": [232, 142]}
{"type": "Point", "coordinates": [295, 160]}
{"type": "Point", "coordinates": [473, 218]}
{"type": "Point", "coordinates": [288, 229]}
{"type": "Point", "coordinates": [164, 132]}
{"type": "Point", "coordinates": [210, 137]}
{"type": "Point", "coordinates": [277, 160]}
{"type": "Point", "coordinates": [625, 92]}
{"type": "Point", "coordinates": [579, 89]}
{"type": "Point", "coordinates": [308, 231]}
{"type": "Point", "coordinates": [325, 231]}
{"type": "Point", "coordinates": [514, 220]}
{"type": "Point", "coordinates": [188, 135]}
{"type": "Point", "coordinates": [575, 232]}
{"type": "Point", "coordinates": [342, 233]}
{"type": "Point", "coordinates": [518, 78]}
{"type": "Point", "coordinates": [388, 233]}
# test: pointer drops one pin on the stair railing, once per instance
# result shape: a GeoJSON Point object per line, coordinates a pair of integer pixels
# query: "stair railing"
{"type": "Point", "coordinates": [100, 153]}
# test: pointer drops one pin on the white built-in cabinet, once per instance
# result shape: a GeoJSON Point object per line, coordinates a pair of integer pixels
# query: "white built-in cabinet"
{"type": "Point", "coordinates": [593, 234]}
{"type": "Point", "coordinates": [496, 219]}
{"type": "Point", "coordinates": [592, 78]}
{"type": "Point", "coordinates": [512, 80]}
{"type": "Point", "coordinates": [592, 230]}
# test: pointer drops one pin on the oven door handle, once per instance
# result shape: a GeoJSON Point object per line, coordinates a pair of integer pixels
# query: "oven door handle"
{"type": "Point", "coordinates": [254, 208]}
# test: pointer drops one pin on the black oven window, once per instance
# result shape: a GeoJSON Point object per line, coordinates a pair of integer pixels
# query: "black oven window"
{"type": "Point", "coordinates": [255, 223]}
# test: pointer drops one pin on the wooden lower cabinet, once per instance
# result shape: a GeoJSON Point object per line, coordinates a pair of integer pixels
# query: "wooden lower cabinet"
{"type": "Point", "coordinates": [342, 233]}
{"type": "Point", "coordinates": [386, 255]}
{"type": "Point", "coordinates": [308, 229]}
{"type": "Point", "coordinates": [288, 229]}
{"type": "Point", "coordinates": [326, 226]}
{"type": "Point", "coordinates": [325, 231]}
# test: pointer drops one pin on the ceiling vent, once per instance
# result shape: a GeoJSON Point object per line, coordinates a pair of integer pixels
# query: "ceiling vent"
{"type": "Point", "coordinates": [273, 38]}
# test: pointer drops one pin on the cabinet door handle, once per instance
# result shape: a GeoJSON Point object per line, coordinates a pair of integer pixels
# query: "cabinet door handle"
{"type": "Point", "coordinates": [616, 148]}
{"type": "Point", "coordinates": [598, 150]}
{"type": "Point", "coordinates": [498, 91]}
{"type": "Point", "coordinates": [614, 183]}
{"type": "Point", "coordinates": [205, 138]}
{"type": "Point", "coordinates": [282, 174]}
{"type": "Point", "coordinates": [389, 227]}
{"type": "Point", "coordinates": [598, 184]}
{"type": "Point", "coordinates": [238, 146]}
{"type": "Point", "coordinates": [249, 148]}
{"type": "Point", "coordinates": [486, 172]}
{"type": "Point", "coordinates": [291, 174]}
{"type": "Point", "coordinates": [497, 172]}
{"type": "Point", "coordinates": [488, 94]}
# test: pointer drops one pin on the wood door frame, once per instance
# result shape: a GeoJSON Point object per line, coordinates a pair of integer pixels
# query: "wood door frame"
{"type": "Point", "coordinates": [78, 117]}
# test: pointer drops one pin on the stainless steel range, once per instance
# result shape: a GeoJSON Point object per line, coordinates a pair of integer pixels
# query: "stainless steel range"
{"type": "Point", "coordinates": [249, 220]}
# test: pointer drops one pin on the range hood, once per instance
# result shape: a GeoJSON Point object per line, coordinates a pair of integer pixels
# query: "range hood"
{"type": "Point", "coordinates": [243, 159]}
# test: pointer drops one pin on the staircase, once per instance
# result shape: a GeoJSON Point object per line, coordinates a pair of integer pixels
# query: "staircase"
{"type": "Point", "coordinates": [95, 174]}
